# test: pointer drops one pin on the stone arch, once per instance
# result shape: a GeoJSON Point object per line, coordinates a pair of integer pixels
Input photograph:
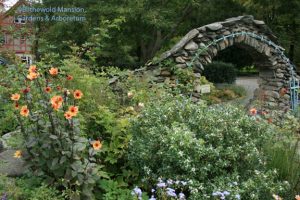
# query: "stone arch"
{"type": "Point", "coordinates": [201, 45]}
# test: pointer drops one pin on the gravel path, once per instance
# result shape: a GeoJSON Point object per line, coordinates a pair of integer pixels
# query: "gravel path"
{"type": "Point", "coordinates": [250, 84]}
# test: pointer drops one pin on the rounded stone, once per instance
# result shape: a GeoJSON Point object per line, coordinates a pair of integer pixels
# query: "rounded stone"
{"type": "Point", "coordinates": [191, 46]}
{"type": "Point", "coordinates": [11, 166]}
{"type": "Point", "coordinates": [214, 26]}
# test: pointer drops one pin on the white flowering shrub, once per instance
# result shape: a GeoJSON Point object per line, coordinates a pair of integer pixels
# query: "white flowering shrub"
{"type": "Point", "coordinates": [218, 149]}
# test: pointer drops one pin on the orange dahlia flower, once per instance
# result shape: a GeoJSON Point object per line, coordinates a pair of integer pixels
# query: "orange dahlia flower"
{"type": "Point", "coordinates": [32, 75]}
{"type": "Point", "coordinates": [18, 154]}
{"type": "Point", "coordinates": [56, 102]}
{"type": "Point", "coordinates": [68, 115]}
{"type": "Point", "coordinates": [24, 111]}
{"type": "Point", "coordinates": [26, 90]}
{"type": "Point", "coordinates": [15, 97]}
{"type": "Point", "coordinates": [97, 145]}
{"type": "Point", "coordinates": [73, 110]}
{"type": "Point", "coordinates": [16, 106]}
{"type": "Point", "coordinates": [53, 71]}
{"type": "Point", "coordinates": [253, 111]}
{"type": "Point", "coordinates": [32, 69]}
{"type": "Point", "coordinates": [48, 89]}
{"type": "Point", "coordinates": [69, 77]}
{"type": "Point", "coordinates": [78, 94]}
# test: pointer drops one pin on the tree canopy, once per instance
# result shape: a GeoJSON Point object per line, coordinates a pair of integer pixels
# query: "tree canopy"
{"type": "Point", "coordinates": [131, 32]}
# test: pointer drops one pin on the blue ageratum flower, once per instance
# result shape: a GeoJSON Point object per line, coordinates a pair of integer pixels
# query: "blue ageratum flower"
{"type": "Point", "coordinates": [181, 196]}
{"type": "Point", "coordinates": [171, 192]}
{"type": "Point", "coordinates": [137, 192]}
{"type": "Point", "coordinates": [152, 198]}
{"type": "Point", "coordinates": [161, 185]}
{"type": "Point", "coordinates": [217, 194]}
{"type": "Point", "coordinates": [4, 197]}
{"type": "Point", "coordinates": [221, 195]}
{"type": "Point", "coordinates": [170, 181]}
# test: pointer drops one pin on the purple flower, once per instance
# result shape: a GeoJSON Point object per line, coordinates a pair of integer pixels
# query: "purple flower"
{"type": "Point", "coordinates": [170, 181]}
{"type": "Point", "coordinates": [161, 185]}
{"type": "Point", "coordinates": [226, 193]}
{"type": "Point", "coordinates": [171, 192]}
{"type": "Point", "coordinates": [137, 191]}
{"type": "Point", "coordinates": [152, 198]}
{"type": "Point", "coordinates": [171, 189]}
{"type": "Point", "coordinates": [4, 197]}
{"type": "Point", "coordinates": [181, 196]}
{"type": "Point", "coordinates": [217, 194]}
{"type": "Point", "coordinates": [152, 190]}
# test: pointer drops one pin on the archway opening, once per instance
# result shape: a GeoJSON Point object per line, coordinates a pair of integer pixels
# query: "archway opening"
{"type": "Point", "coordinates": [253, 69]}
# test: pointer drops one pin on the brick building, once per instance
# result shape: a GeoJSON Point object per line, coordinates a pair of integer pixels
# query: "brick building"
{"type": "Point", "coordinates": [15, 32]}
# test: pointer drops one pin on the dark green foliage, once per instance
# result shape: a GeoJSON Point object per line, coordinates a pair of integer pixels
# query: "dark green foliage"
{"type": "Point", "coordinates": [111, 190]}
{"type": "Point", "coordinates": [220, 72]}
{"type": "Point", "coordinates": [236, 55]}
{"type": "Point", "coordinates": [27, 188]}
{"type": "Point", "coordinates": [7, 119]}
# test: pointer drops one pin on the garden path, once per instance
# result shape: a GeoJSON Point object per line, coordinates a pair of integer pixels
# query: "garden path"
{"type": "Point", "coordinates": [250, 84]}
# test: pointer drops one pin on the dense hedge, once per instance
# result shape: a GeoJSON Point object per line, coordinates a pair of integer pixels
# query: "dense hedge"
{"type": "Point", "coordinates": [220, 72]}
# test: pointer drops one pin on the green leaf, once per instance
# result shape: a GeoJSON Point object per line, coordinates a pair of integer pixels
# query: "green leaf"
{"type": "Point", "coordinates": [54, 164]}
{"type": "Point", "coordinates": [79, 146]}
{"type": "Point", "coordinates": [77, 166]}
{"type": "Point", "coordinates": [62, 159]}
{"type": "Point", "coordinates": [54, 137]}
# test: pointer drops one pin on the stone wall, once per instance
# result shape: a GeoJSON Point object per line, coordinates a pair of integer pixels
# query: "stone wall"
{"type": "Point", "coordinates": [201, 45]}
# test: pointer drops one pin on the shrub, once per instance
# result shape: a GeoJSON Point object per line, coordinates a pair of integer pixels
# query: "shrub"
{"type": "Point", "coordinates": [211, 147]}
{"type": "Point", "coordinates": [27, 189]}
{"type": "Point", "coordinates": [112, 190]}
{"type": "Point", "coordinates": [220, 72]}
{"type": "Point", "coordinates": [8, 122]}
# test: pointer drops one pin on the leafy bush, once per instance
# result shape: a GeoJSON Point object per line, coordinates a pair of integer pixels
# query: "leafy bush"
{"type": "Point", "coordinates": [27, 189]}
{"type": "Point", "coordinates": [7, 119]}
{"type": "Point", "coordinates": [248, 70]}
{"type": "Point", "coordinates": [211, 147]}
{"type": "Point", "coordinates": [220, 72]}
{"type": "Point", "coordinates": [112, 190]}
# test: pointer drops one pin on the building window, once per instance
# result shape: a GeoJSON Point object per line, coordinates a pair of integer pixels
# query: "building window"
{"type": "Point", "coordinates": [19, 20]}
{"type": "Point", "coordinates": [26, 59]}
